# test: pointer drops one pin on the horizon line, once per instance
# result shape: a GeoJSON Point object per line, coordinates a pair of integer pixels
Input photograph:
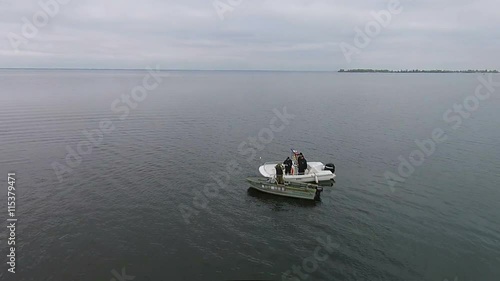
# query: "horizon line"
{"type": "Point", "coordinates": [241, 70]}
{"type": "Point", "coordinates": [161, 69]}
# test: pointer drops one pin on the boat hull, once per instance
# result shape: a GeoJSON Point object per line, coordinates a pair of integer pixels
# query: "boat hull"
{"type": "Point", "coordinates": [289, 189]}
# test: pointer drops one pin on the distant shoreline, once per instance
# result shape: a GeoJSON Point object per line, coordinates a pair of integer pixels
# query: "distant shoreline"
{"type": "Point", "coordinates": [414, 71]}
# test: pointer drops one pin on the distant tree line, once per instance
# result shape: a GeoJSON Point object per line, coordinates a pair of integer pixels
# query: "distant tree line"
{"type": "Point", "coordinates": [419, 71]}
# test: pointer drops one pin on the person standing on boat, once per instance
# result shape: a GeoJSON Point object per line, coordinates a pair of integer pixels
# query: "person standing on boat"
{"type": "Point", "coordinates": [302, 164]}
{"type": "Point", "coordinates": [279, 174]}
{"type": "Point", "coordinates": [288, 165]}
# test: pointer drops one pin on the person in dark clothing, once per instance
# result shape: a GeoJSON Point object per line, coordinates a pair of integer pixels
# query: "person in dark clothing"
{"type": "Point", "coordinates": [279, 174]}
{"type": "Point", "coordinates": [302, 163]}
{"type": "Point", "coordinates": [288, 165]}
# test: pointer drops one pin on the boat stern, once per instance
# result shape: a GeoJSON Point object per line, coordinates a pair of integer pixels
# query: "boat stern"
{"type": "Point", "coordinates": [317, 195]}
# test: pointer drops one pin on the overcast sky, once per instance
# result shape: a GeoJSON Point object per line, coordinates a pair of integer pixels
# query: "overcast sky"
{"type": "Point", "coordinates": [256, 34]}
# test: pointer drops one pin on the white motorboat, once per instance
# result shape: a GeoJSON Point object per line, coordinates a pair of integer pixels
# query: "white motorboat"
{"type": "Point", "coordinates": [316, 171]}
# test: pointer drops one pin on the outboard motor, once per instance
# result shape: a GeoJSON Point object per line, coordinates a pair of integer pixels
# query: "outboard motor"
{"type": "Point", "coordinates": [330, 167]}
{"type": "Point", "coordinates": [317, 195]}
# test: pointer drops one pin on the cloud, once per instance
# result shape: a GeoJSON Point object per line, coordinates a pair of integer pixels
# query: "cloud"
{"type": "Point", "coordinates": [257, 34]}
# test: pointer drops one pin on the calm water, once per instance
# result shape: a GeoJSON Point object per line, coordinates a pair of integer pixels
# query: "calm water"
{"type": "Point", "coordinates": [119, 208]}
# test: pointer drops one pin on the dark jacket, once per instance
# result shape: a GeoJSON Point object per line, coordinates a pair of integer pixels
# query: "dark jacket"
{"type": "Point", "coordinates": [288, 163]}
{"type": "Point", "coordinates": [279, 170]}
{"type": "Point", "coordinates": [302, 163]}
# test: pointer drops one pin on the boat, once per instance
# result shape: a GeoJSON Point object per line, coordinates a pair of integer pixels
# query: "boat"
{"type": "Point", "coordinates": [288, 189]}
{"type": "Point", "coordinates": [316, 171]}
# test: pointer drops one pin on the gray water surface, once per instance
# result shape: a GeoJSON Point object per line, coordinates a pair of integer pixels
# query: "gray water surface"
{"type": "Point", "coordinates": [119, 208]}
